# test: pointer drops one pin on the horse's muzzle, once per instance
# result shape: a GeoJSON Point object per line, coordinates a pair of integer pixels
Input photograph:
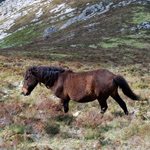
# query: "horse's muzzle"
{"type": "Point", "coordinates": [25, 92]}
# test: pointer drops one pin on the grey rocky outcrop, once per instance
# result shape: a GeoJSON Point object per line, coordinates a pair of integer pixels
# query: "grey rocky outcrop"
{"type": "Point", "coordinates": [86, 13]}
{"type": "Point", "coordinates": [125, 3]}
{"type": "Point", "coordinates": [49, 31]}
{"type": "Point", "coordinates": [144, 25]}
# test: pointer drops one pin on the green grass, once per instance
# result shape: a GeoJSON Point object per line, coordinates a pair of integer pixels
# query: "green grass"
{"type": "Point", "coordinates": [140, 15]}
{"type": "Point", "coordinates": [128, 42]}
{"type": "Point", "coordinates": [21, 37]}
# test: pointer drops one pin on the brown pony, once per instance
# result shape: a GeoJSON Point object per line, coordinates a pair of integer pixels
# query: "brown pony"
{"type": "Point", "coordinates": [79, 86]}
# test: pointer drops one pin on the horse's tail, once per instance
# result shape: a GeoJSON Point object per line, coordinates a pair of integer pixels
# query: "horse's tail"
{"type": "Point", "coordinates": [122, 83]}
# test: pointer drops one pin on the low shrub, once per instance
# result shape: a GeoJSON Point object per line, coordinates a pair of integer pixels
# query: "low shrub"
{"type": "Point", "coordinates": [51, 128]}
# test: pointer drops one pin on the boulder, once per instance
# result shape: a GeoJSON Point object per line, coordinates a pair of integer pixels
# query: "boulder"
{"type": "Point", "coordinates": [49, 31]}
{"type": "Point", "coordinates": [144, 25]}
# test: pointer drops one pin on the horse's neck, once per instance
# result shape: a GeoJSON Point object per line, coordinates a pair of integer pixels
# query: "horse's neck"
{"type": "Point", "coordinates": [50, 81]}
{"type": "Point", "coordinates": [40, 79]}
{"type": "Point", "coordinates": [57, 86]}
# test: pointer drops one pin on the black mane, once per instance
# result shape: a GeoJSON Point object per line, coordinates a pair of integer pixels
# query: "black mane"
{"type": "Point", "coordinates": [47, 75]}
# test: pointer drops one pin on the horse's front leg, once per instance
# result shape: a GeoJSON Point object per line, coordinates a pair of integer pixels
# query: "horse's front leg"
{"type": "Point", "coordinates": [65, 104]}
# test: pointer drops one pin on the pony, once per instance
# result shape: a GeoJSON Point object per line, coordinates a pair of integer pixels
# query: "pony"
{"type": "Point", "coordinates": [80, 87]}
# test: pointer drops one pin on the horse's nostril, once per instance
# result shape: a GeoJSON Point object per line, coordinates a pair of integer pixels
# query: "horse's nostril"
{"type": "Point", "coordinates": [26, 94]}
{"type": "Point", "coordinates": [25, 91]}
{"type": "Point", "coordinates": [23, 94]}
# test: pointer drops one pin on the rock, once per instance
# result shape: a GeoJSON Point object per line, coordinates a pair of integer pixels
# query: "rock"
{"type": "Point", "coordinates": [73, 46]}
{"type": "Point", "coordinates": [125, 3]}
{"type": "Point", "coordinates": [136, 35]}
{"type": "Point", "coordinates": [92, 9]}
{"type": "Point", "coordinates": [77, 113]}
{"type": "Point", "coordinates": [133, 28]}
{"type": "Point", "coordinates": [11, 10]}
{"type": "Point", "coordinates": [86, 13]}
{"type": "Point", "coordinates": [49, 31]}
{"type": "Point", "coordinates": [144, 25]}
{"type": "Point", "coordinates": [123, 29]}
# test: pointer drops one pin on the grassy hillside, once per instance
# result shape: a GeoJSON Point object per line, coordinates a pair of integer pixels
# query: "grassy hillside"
{"type": "Point", "coordinates": [33, 123]}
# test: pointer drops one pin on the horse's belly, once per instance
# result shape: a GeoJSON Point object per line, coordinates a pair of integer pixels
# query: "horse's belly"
{"type": "Point", "coordinates": [84, 99]}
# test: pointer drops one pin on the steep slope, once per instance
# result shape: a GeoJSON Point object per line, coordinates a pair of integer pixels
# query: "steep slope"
{"type": "Point", "coordinates": [25, 21]}
{"type": "Point", "coordinates": [85, 31]}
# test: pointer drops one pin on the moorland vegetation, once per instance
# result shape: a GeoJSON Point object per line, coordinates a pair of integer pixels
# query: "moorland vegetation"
{"type": "Point", "coordinates": [103, 41]}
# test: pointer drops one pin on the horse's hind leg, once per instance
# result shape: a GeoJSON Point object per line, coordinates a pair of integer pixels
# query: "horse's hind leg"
{"type": "Point", "coordinates": [122, 104]}
{"type": "Point", "coordinates": [103, 105]}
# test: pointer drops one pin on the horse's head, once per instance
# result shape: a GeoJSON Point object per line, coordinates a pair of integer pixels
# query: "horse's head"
{"type": "Point", "coordinates": [30, 81]}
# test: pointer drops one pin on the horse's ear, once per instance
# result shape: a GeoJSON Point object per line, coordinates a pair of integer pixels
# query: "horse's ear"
{"type": "Point", "coordinates": [30, 70]}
